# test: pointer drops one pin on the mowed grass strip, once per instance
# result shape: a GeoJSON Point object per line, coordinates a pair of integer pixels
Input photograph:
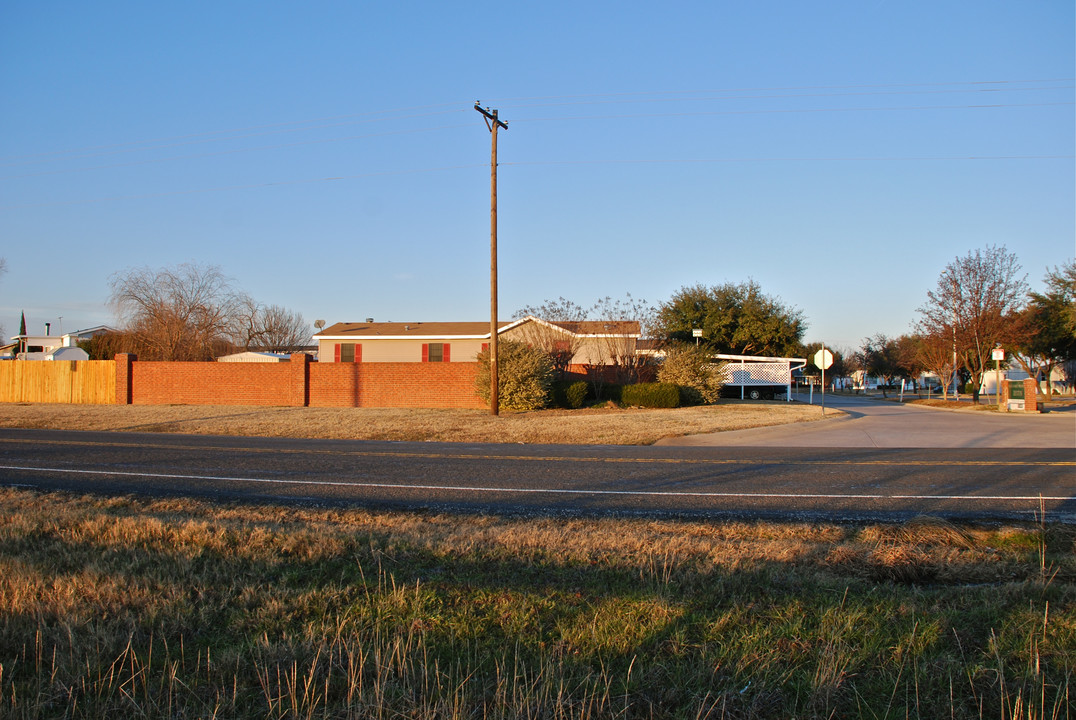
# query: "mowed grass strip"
{"type": "Point", "coordinates": [129, 607]}
{"type": "Point", "coordinates": [615, 426]}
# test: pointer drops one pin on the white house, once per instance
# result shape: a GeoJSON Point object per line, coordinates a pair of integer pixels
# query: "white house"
{"type": "Point", "coordinates": [44, 347]}
{"type": "Point", "coordinates": [589, 342]}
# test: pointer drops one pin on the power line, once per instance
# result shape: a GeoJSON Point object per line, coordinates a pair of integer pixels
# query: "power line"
{"type": "Point", "coordinates": [621, 116]}
{"type": "Point", "coordinates": [220, 153]}
{"type": "Point", "coordinates": [706, 161]}
{"type": "Point", "coordinates": [705, 113]}
{"type": "Point", "coordinates": [787, 96]}
{"type": "Point", "coordinates": [959, 83]}
{"type": "Point", "coordinates": [446, 108]}
{"type": "Point", "coordinates": [532, 163]}
{"type": "Point", "coordinates": [223, 188]}
{"type": "Point", "coordinates": [200, 138]}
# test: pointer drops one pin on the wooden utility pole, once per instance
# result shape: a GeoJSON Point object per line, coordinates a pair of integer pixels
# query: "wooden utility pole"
{"type": "Point", "coordinates": [492, 122]}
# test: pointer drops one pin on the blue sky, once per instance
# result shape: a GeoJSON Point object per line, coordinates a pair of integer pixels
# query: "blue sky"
{"type": "Point", "coordinates": [327, 156]}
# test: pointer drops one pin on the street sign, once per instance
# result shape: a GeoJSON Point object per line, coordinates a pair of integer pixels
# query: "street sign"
{"type": "Point", "coordinates": [997, 354]}
{"type": "Point", "coordinates": [696, 333]}
{"type": "Point", "coordinates": [823, 359]}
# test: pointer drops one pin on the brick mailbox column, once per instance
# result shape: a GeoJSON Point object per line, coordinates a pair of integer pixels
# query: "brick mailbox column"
{"type": "Point", "coordinates": [1031, 395]}
{"type": "Point", "coordinates": [299, 387]}
{"type": "Point", "coordinates": [124, 390]}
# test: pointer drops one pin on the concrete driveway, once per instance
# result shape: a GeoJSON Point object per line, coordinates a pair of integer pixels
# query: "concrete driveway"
{"type": "Point", "coordinates": [880, 424]}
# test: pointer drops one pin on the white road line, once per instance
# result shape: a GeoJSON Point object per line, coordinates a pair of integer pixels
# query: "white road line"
{"type": "Point", "coordinates": [539, 491]}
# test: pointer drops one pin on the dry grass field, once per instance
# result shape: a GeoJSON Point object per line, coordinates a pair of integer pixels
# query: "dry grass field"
{"type": "Point", "coordinates": [142, 608]}
{"type": "Point", "coordinates": [585, 426]}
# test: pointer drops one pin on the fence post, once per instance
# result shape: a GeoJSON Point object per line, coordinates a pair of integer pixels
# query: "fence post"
{"type": "Point", "coordinates": [300, 380]}
{"type": "Point", "coordinates": [124, 389]}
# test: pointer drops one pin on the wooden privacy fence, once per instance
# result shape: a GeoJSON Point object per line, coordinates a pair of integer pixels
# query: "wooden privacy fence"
{"type": "Point", "coordinates": [90, 382]}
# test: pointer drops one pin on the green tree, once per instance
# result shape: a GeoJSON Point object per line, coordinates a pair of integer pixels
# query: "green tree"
{"type": "Point", "coordinates": [1049, 324]}
{"type": "Point", "coordinates": [738, 319]}
{"type": "Point", "coordinates": [524, 376]}
{"type": "Point", "coordinates": [880, 358]}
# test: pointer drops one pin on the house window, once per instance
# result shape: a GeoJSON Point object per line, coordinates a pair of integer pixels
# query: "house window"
{"type": "Point", "coordinates": [348, 352]}
{"type": "Point", "coordinates": [435, 352]}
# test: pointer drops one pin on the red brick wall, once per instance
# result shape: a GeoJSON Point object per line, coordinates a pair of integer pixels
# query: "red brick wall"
{"type": "Point", "coordinates": [297, 383]}
{"type": "Point", "coordinates": [425, 385]}
{"type": "Point", "coordinates": [211, 383]}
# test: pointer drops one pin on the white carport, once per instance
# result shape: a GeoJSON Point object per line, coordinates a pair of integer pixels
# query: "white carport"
{"type": "Point", "coordinates": [755, 375]}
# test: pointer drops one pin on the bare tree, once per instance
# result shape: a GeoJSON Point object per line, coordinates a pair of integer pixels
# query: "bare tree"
{"type": "Point", "coordinates": [281, 330]}
{"type": "Point", "coordinates": [602, 334]}
{"type": "Point", "coordinates": [935, 353]}
{"type": "Point", "coordinates": [245, 322]}
{"type": "Point", "coordinates": [547, 335]}
{"type": "Point", "coordinates": [624, 318]}
{"type": "Point", "coordinates": [977, 299]}
{"type": "Point", "coordinates": [178, 313]}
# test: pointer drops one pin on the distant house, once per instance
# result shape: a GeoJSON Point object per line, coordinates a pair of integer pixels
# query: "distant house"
{"type": "Point", "coordinates": [252, 356]}
{"type": "Point", "coordinates": [588, 343]}
{"type": "Point", "coordinates": [45, 347]}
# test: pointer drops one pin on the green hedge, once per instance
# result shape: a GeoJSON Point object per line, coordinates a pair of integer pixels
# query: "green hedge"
{"type": "Point", "coordinates": [568, 394]}
{"type": "Point", "coordinates": [651, 395]}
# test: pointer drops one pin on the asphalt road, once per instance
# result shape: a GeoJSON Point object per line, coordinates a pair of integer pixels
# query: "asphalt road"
{"type": "Point", "coordinates": [846, 483]}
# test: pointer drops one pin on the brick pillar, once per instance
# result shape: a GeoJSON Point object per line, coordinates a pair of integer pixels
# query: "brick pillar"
{"type": "Point", "coordinates": [299, 388]}
{"type": "Point", "coordinates": [1031, 395]}
{"type": "Point", "coordinates": [124, 389]}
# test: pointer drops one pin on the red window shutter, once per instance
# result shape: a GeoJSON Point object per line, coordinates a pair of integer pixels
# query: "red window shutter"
{"type": "Point", "coordinates": [358, 352]}
{"type": "Point", "coordinates": [485, 347]}
{"type": "Point", "coordinates": [336, 353]}
{"type": "Point", "coordinates": [425, 352]}
{"type": "Point", "coordinates": [445, 359]}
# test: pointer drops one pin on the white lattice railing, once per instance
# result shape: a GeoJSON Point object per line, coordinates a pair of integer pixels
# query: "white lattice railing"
{"type": "Point", "coordinates": [755, 373]}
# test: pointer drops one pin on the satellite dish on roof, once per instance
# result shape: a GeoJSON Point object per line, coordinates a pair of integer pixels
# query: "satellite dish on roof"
{"type": "Point", "coordinates": [319, 324]}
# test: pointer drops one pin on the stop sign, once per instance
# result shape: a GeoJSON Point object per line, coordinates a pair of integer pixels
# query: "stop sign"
{"type": "Point", "coordinates": [823, 359]}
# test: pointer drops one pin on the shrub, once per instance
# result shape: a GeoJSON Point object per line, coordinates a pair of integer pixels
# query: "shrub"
{"type": "Point", "coordinates": [612, 391]}
{"type": "Point", "coordinates": [651, 395]}
{"type": "Point", "coordinates": [690, 367]}
{"type": "Point", "coordinates": [524, 376]}
{"type": "Point", "coordinates": [568, 394]}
